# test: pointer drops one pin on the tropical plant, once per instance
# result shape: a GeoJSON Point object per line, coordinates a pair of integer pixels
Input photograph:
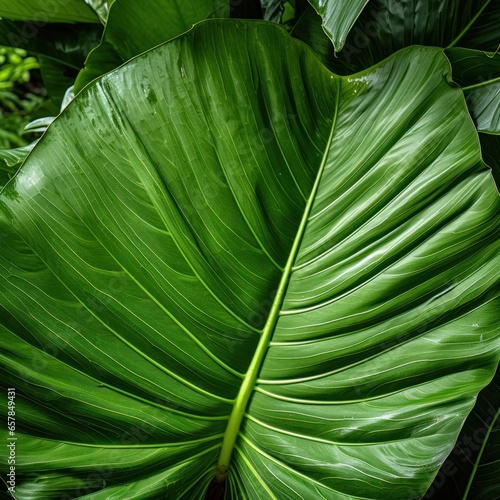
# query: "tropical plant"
{"type": "Point", "coordinates": [17, 105]}
{"type": "Point", "coordinates": [228, 272]}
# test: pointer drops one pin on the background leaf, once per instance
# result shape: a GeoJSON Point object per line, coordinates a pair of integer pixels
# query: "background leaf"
{"type": "Point", "coordinates": [57, 11]}
{"type": "Point", "coordinates": [101, 7]}
{"type": "Point", "coordinates": [386, 26]}
{"type": "Point", "coordinates": [11, 160]}
{"type": "Point", "coordinates": [308, 29]}
{"type": "Point", "coordinates": [483, 34]}
{"type": "Point", "coordinates": [490, 148]}
{"type": "Point", "coordinates": [249, 9]}
{"type": "Point", "coordinates": [133, 27]}
{"type": "Point", "coordinates": [61, 48]}
{"type": "Point", "coordinates": [272, 10]}
{"type": "Point", "coordinates": [479, 73]}
{"type": "Point", "coordinates": [483, 482]}
{"type": "Point", "coordinates": [338, 17]}
{"type": "Point", "coordinates": [458, 473]}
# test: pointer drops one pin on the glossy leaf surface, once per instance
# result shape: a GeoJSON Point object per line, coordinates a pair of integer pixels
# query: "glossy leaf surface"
{"type": "Point", "coordinates": [338, 17]}
{"type": "Point", "coordinates": [223, 255]}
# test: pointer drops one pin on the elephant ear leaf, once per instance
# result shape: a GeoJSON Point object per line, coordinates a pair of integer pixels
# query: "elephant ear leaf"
{"type": "Point", "coordinates": [226, 269]}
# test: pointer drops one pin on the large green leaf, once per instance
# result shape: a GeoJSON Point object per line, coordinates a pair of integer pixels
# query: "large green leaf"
{"type": "Point", "coordinates": [223, 255]}
{"type": "Point", "coordinates": [55, 11]}
{"type": "Point", "coordinates": [133, 27]}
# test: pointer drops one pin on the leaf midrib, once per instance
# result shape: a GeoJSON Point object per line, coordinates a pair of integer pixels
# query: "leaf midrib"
{"type": "Point", "coordinates": [251, 376]}
{"type": "Point", "coordinates": [482, 84]}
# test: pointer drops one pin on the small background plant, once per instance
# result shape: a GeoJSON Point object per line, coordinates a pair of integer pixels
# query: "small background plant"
{"type": "Point", "coordinates": [22, 97]}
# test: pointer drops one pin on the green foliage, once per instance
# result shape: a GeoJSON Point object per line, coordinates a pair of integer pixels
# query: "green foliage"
{"type": "Point", "coordinates": [43, 11]}
{"type": "Point", "coordinates": [227, 272]}
{"type": "Point", "coordinates": [61, 50]}
{"type": "Point", "coordinates": [15, 67]}
{"type": "Point", "coordinates": [127, 20]}
{"type": "Point", "coordinates": [17, 107]}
